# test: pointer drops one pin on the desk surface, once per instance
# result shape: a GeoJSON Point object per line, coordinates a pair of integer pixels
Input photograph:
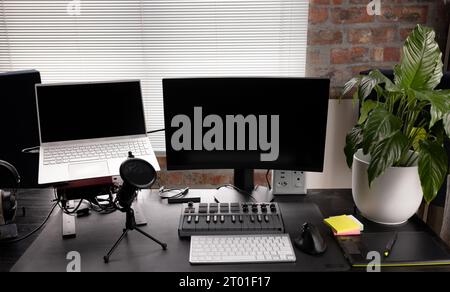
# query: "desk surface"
{"type": "Point", "coordinates": [97, 233]}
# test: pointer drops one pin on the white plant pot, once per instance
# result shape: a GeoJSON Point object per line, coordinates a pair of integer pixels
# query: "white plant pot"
{"type": "Point", "coordinates": [392, 199]}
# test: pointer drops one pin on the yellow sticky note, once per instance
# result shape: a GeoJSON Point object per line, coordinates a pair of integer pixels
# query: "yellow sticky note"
{"type": "Point", "coordinates": [342, 224]}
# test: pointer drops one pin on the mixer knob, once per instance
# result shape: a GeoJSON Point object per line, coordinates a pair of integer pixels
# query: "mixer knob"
{"type": "Point", "coordinates": [191, 204]}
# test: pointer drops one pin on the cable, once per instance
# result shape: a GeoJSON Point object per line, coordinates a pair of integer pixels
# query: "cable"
{"type": "Point", "coordinates": [94, 205]}
{"type": "Point", "coordinates": [70, 212]}
{"type": "Point", "coordinates": [230, 186]}
{"type": "Point", "coordinates": [156, 131]}
{"type": "Point", "coordinates": [267, 179]}
{"type": "Point", "coordinates": [34, 231]}
{"type": "Point", "coordinates": [31, 150]}
{"type": "Point", "coordinates": [63, 208]}
{"type": "Point", "coordinates": [181, 193]}
{"type": "Point", "coordinates": [97, 207]}
{"type": "Point", "coordinates": [103, 209]}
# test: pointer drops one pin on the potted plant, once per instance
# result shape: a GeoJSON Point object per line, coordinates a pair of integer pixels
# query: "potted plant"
{"type": "Point", "coordinates": [396, 149]}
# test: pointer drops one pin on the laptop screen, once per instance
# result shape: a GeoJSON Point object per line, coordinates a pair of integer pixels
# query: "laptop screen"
{"type": "Point", "coordinates": [90, 110]}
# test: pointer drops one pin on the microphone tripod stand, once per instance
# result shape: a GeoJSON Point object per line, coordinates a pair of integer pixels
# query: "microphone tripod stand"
{"type": "Point", "coordinates": [130, 225]}
{"type": "Point", "coordinates": [136, 174]}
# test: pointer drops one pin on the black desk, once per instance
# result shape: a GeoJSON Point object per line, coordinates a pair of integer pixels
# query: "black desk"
{"type": "Point", "coordinates": [96, 234]}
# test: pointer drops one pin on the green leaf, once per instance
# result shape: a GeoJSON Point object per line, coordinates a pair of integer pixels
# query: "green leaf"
{"type": "Point", "coordinates": [398, 75]}
{"type": "Point", "coordinates": [386, 153]}
{"type": "Point", "coordinates": [436, 76]}
{"type": "Point", "coordinates": [446, 122]}
{"type": "Point", "coordinates": [393, 97]}
{"type": "Point", "coordinates": [433, 163]}
{"type": "Point", "coordinates": [366, 86]}
{"type": "Point", "coordinates": [350, 85]}
{"type": "Point", "coordinates": [380, 92]}
{"type": "Point", "coordinates": [421, 63]}
{"type": "Point", "coordinates": [379, 124]}
{"type": "Point", "coordinates": [352, 144]}
{"type": "Point", "coordinates": [370, 82]}
{"type": "Point", "coordinates": [440, 103]}
{"type": "Point", "coordinates": [381, 78]}
{"type": "Point", "coordinates": [419, 134]}
{"type": "Point", "coordinates": [366, 107]}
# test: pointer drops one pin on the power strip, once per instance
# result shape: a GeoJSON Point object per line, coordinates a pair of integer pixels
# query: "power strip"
{"type": "Point", "coordinates": [287, 182]}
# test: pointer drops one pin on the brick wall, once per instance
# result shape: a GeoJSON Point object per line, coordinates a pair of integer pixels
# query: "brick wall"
{"type": "Point", "coordinates": [342, 41]}
{"type": "Point", "coordinates": [201, 178]}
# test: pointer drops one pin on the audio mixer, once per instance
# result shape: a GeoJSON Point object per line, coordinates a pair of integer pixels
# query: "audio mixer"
{"type": "Point", "coordinates": [230, 219]}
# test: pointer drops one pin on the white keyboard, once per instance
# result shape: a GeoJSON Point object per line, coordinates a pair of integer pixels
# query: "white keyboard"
{"type": "Point", "coordinates": [87, 152]}
{"type": "Point", "coordinates": [256, 248]}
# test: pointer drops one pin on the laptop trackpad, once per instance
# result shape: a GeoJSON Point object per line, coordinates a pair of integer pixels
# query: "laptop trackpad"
{"type": "Point", "coordinates": [89, 169]}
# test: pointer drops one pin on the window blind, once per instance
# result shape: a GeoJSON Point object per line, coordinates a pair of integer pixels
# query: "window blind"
{"type": "Point", "coordinates": [88, 40]}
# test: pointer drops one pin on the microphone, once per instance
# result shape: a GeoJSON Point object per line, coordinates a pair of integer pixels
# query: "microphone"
{"type": "Point", "coordinates": [136, 174]}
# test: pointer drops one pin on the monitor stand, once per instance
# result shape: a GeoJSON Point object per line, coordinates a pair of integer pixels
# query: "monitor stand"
{"type": "Point", "coordinates": [244, 180]}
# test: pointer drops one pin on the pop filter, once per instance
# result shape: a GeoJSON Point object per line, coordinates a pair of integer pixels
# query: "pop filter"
{"type": "Point", "coordinates": [136, 174]}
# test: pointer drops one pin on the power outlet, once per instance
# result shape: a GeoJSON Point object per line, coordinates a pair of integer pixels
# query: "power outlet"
{"type": "Point", "coordinates": [286, 182]}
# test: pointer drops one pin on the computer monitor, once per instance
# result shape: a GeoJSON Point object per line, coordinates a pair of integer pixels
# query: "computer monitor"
{"type": "Point", "coordinates": [245, 124]}
{"type": "Point", "coordinates": [19, 126]}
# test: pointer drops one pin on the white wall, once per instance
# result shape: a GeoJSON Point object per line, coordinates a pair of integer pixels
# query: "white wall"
{"type": "Point", "coordinates": [342, 116]}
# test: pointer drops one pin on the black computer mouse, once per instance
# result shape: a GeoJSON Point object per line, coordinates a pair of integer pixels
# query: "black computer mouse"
{"type": "Point", "coordinates": [310, 240]}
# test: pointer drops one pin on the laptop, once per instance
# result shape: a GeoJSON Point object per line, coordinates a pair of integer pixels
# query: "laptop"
{"type": "Point", "coordinates": [87, 129]}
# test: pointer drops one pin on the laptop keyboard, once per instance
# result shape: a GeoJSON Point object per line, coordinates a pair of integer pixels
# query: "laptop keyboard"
{"type": "Point", "coordinates": [80, 153]}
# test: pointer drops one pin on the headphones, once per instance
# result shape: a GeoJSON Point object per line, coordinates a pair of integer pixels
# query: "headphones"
{"type": "Point", "coordinates": [8, 199]}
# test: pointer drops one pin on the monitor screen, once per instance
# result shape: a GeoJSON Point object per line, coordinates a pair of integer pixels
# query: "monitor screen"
{"type": "Point", "coordinates": [246, 123]}
{"type": "Point", "coordinates": [90, 110]}
{"type": "Point", "coordinates": [19, 129]}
